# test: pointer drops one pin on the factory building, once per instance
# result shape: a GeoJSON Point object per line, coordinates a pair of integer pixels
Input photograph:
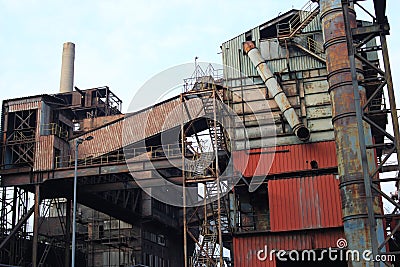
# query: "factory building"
{"type": "Point", "coordinates": [280, 154]}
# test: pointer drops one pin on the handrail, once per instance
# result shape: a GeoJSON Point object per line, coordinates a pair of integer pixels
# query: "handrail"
{"type": "Point", "coordinates": [310, 44]}
{"type": "Point", "coordinates": [55, 129]}
{"type": "Point", "coordinates": [153, 152]}
{"type": "Point", "coordinates": [314, 46]}
{"type": "Point", "coordinates": [287, 28]}
{"type": "Point", "coordinates": [199, 73]}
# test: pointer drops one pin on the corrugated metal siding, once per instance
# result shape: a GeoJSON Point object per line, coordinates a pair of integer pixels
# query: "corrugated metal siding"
{"type": "Point", "coordinates": [270, 49]}
{"type": "Point", "coordinates": [297, 63]}
{"type": "Point", "coordinates": [44, 153]}
{"type": "Point", "coordinates": [234, 58]}
{"type": "Point", "coordinates": [290, 158]}
{"type": "Point", "coordinates": [159, 118]}
{"type": "Point", "coordinates": [245, 247]}
{"type": "Point", "coordinates": [23, 104]}
{"type": "Point", "coordinates": [305, 63]}
{"type": "Point", "coordinates": [314, 25]}
{"type": "Point", "coordinates": [304, 203]}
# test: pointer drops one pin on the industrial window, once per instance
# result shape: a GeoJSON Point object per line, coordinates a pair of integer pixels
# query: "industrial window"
{"type": "Point", "coordinates": [101, 231]}
{"type": "Point", "coordinates": [253, 209]}
{"type": "Point", "coordinates": [161, 240]}
{"type": "Point", "coordinates": [155, 238]}
{"type": "Point", "coordinates": [268, 32]}
{"type": "Point", "coordinates": [57, 158]}
{"type": "Point", "coordinates": [77, 126]}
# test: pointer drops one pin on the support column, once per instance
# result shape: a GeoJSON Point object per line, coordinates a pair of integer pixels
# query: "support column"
{"type": "Point", "coordinates": [13, 254]}
{"type": "Point", "coordinates": [68, 234]}
{"type": "Point", "coordinates": [352, 135]}
{"type": "Point", "coordinates": [36, 226]}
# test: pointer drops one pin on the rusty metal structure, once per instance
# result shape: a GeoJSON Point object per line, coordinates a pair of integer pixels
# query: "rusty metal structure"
{"type": "Point", "coordinates": [293, 46]}
{"type": "Point", "coordinates": [37, 171]}
{"type": "Point", "coordinates": [352, 136]}
{"type": "Point", "coordinates": [284, 148]}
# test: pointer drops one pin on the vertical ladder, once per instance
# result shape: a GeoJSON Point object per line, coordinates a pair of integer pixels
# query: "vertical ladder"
{"type": "Point", "coordinates": [45, 253]}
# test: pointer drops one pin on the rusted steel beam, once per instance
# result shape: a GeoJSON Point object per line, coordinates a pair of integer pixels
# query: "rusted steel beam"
{"type": "Point", "coordinates": [357, 226]}
{"type": "Point", "coordinates": [17, 227]}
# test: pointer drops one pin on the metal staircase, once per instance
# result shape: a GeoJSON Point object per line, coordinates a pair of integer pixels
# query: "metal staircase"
{"type": "Point", "coordinates": [207, 224]}
{"type": "Point", "coordinates": [310, 46]}
{"type": "Point", "coordinates": [202, 163]}
{"type": "Point", "coordinates": [289, 32]}
{"type": "Point", "coordinates": [299, 21]}
{"type": "Point", "coordinates": [212, 191]}
{"type": "Point", "coordinates": [207, 252]}
{"type": "Point", "coordinates": [45, 253]}
{"type": "Point", "coordinates": [216, 134]}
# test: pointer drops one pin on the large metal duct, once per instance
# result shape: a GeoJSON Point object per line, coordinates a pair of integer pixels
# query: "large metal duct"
{"type": "Point", "coordinates": [276, 91]}
{"type": "Point", "coordinates": [67, 68]}
{"type": "Point", "coordinates": [357, 226]}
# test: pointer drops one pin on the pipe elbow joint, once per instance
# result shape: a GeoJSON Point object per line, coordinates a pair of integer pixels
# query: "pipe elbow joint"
{"type": "Point", "coordinates": [247, 46]}
{"type": "Point", "coordinates": [302, 132]}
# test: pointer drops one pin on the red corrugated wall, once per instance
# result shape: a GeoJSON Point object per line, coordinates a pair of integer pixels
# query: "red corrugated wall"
{"type": "Point", "coordinates": [44, 153]}
{"type": "Point", "coordinates": [246, 247]}
{"type": "Point", "coordinates": [304, 203]}
{"type": "Point", "coordinates": [290, 158]}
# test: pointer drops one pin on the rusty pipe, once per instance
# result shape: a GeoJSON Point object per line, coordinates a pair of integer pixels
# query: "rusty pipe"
{"type": "Point", "coordinates": [357, 226]}
{"type": "Point", "coordinates": [275, 89]}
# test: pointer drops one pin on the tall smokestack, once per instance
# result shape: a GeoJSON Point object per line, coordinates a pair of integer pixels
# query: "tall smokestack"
{"type": "Point", "coordinates": [67, 68]}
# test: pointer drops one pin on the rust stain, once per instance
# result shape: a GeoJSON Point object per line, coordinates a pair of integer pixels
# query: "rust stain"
{"type": "Point", "coordinates": [246, 247]}
{"type": "Point", "coordinates": [289, 158]}
{"type": "Point", "coordinates": [305, 203]}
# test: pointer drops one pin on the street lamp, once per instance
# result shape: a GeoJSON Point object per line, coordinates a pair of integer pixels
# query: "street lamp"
{"type": "Point", "coordinates": [77, 143]}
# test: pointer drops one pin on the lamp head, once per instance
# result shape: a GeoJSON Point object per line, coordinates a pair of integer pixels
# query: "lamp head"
{"type": "Point", "coordinates": [81, 140]}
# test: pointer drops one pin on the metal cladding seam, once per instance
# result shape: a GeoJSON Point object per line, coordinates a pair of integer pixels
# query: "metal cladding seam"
{"type": "Point", "coordinates": [313, 203]}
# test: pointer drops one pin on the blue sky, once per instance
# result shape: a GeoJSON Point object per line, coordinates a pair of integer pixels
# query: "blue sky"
{"type": "Point", "coordinates": [124, 43]}
{"type": "Point", "coordinates": [118, 43]}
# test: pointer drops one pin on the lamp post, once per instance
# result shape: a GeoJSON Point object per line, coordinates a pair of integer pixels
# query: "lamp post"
{"type": "Point", "coordinates": [195, 68]}
{"type": "Point", "coordinates": [77, 143]}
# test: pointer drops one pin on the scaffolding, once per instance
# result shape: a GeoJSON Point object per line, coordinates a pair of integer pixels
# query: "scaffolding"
{"type": "Point", "coordinates": [207, 223]}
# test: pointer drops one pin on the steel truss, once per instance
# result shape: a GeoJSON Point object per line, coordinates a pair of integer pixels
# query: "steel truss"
{"type": "Point", "coordinates": [19, 141]}
{"type": "Point", "coordinates": [13, 230]}
{"type": "Point", "coordinates": [380, 82]}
